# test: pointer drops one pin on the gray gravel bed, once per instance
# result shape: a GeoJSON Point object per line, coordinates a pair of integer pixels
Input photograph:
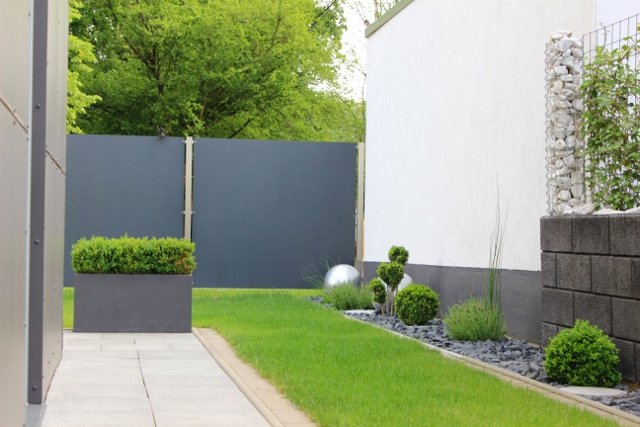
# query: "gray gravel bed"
{"type": "Point", "coordinates": [514, 355]}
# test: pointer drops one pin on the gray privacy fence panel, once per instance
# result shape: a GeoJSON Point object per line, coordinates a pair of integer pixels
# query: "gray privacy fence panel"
{"type": "Point", "coordinates": [122, 184]}
{"type": "Point", "coordinates": [266, 210]}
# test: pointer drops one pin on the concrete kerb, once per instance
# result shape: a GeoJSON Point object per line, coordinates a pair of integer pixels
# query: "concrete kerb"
{"type": "Point", "coordinates": [258, 391]}
{"type": "Point", "coordinates": [621, 417]}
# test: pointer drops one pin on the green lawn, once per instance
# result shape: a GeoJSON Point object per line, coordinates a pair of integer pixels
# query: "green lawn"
{"type": "Point", "coordinates": [67, 308]}
{"type": "Point", "coordinates": [345, 373]}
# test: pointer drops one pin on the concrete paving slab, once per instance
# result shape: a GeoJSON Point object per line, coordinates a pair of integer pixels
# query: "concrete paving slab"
{"type": "Point", "coordinates": [115, 338]}
{"type": "Point", "coordinates": [97, 419]}
{"type": "Point", "coordinates": [135, 346]}
{"type": "Point", "coordinates": [175, 354]}
{"type": "Point", "coordinates": [168, 381]}
{"type": "Point", "coordinates": [186, 347]}
{"type": "Point", "coordinates": [140, 380]}
{"type": "Point", "coordinates": [83, 355]}
{"type": "Point", "coordinates": [169, 367]}
{"type": "Point", "coordinates": [162, 338]}
{"type": "Point", "coordinates": [83, 337]}
{"type": "Point", "coordinates": [217, 419]}
{"type": "Point", "coordinates": [82, 346]}
{"type": "Point", "coordinates": [594, 391]}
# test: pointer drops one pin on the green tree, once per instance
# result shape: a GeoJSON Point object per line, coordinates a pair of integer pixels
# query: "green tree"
{"type": "Point", "coordinates": [81, 58]}
{"type": "Point", "coordinates": [258, 69]}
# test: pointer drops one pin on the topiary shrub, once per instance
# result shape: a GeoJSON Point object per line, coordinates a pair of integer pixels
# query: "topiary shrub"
{"type": "Point", "coordinates": [379, 290]}
{"type": "Point", "coordinates": [391, 273]}
{"type": "Point", "coordinates": [349, 297]}
{"type": "Point", "coordinates": [399, 254]}
{"type": "Point", "coordinates": [416, 304]}
{"type": "Point", "coordinates": [475, 320]}
{"type": "Point", "coordinates": [582, 356]}
{"type": "Point", "coordinates": [130, 255]}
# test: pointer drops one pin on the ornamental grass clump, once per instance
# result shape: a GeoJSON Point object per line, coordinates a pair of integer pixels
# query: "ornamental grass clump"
{"type": "Point", "coordinates": [347, 296]}
{"type": "Point", "coordinates": [416, 304]}
{"type": "Point", "coordinates": [482, 319]}
{"type": "Point", "coordinates": [474, 320]}
{"type": "Point", "coordinates": [130, 255]}
{"type": "Point", "coordinates": [582, 356]}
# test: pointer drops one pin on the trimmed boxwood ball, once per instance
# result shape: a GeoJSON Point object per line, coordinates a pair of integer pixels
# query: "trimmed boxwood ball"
{"type": "Point", "coordinates": [391, 273]}
{"type": "Point", "coordinates": [582, 356]}
{"type": "Point", "coordinates": [399, 254]}
{"type": "Point", "coordinates": [416, 304]}
{"type": "Point", "coordinates": [379, 290]}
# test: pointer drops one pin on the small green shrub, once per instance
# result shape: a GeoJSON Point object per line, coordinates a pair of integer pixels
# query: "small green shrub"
{"type": "Point", "coordinates": [399, 254]}
{"type": "Point", "coordinates": [582, 356]}
{"type": "Point", "coordinates": [416, 304]}
{"type": "Point", "coordinates": [379, 290]}
{"type": "Point", "coordinates": [129, 255]}
{"type": "Point", "coordinates": [349, 297]}
{"type": "Point", "coordinates": [474, 320]}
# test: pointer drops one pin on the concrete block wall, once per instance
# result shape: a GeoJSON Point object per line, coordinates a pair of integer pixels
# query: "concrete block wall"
{"type": "Point", "coordinates": [591, 270]}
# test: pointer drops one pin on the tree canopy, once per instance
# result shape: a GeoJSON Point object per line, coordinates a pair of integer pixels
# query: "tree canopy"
{"type": "Point", "coordinates": [259, 69]}
{"type": "Point", "coordinates": [80, 59]}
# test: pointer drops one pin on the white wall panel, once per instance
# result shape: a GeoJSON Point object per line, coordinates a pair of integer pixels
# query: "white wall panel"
{"type": "Point", "coordinates": [456, 111]}
{"type": "Point", "coordinates": [14, 161]}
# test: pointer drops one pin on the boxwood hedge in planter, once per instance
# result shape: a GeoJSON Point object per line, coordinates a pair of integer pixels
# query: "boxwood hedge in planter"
{"type": "Point", "coordinates": [132, 284]}
{"type": "Point", "coordinates": [130, 255]}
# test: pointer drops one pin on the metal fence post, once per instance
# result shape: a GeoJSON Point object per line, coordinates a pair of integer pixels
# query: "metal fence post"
{"type": "Point", "coordinates": [188, 186]}
{"type": "Point", "coordinates": [360, 209]}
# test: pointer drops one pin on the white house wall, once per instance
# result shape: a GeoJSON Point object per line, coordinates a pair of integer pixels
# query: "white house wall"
{"type": "Point", "coordinates": [456, 114]}
{"type": "Point", "coordinates": [608, 12]}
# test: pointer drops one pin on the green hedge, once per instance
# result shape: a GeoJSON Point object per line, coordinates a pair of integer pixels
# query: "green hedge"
{"type": "Point", "coordinates": [130, 255]}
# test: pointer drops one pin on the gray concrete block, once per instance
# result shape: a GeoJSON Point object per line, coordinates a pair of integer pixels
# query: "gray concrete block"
{"type": "Point", "coordinates": [573, 272]}
{"type": "Point", "coordinates": [626, 318]}
{"type": "Point", "coordinates": [557, 307]}
{"type": "Point", "coordinates": [548, 331]}
{"type": "Point", "coordinates": [624, 233]}
{"type": "Point", "coordinates": [555, 234]}
{"type": "Point", "coordinates": [548, 269]}
{"type": "Point", "coordinates": [611, 276]}
{"type": "Point", "coordinates": [637, 364]}
{"type": "Point", "coordinates": [594, 308]}
{"type": "Point", "coordinates": [627, 365]}
{"type": "Point", "coordinates": [635, 278]}
{"type": "Point", "coordinates": [590, 234]}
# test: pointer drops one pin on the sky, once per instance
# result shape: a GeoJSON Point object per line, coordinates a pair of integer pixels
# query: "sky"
{"type": "Point", "coordinates": [355, 46]}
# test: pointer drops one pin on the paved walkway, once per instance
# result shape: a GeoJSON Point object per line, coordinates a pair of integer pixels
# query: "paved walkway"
{"type": "Point", "coordinates": [143, 380]}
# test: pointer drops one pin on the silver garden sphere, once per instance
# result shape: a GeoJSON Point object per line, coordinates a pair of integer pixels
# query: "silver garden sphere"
{"type": "Point", "coordinates": [406, 281]}
{"type": "Point", "coordinates": [341, 274]}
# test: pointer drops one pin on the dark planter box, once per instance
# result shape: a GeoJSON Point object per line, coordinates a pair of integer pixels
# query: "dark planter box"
{"type": "Point", "coordinates": [132, 303]}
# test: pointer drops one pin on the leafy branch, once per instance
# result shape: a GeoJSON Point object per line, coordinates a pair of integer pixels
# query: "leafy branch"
{"type": "Point", "coordinates": [611, 126]}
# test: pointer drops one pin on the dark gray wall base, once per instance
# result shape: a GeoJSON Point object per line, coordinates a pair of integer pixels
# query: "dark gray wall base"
{"type": "Point", "coordinates": [132, 303]}
{"type": "Point", "coordinates": [520, 292]}
{"type": "Point", "coordinates": [591, 271]}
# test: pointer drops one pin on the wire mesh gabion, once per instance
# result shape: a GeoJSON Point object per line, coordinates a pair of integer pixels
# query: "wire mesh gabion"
{"type": "Point", "coordinates": [564, 148]}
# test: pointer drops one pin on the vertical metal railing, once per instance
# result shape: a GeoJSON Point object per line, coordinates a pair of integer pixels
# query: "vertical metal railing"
{"type": "Point", "coordinates": [611, 37]}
